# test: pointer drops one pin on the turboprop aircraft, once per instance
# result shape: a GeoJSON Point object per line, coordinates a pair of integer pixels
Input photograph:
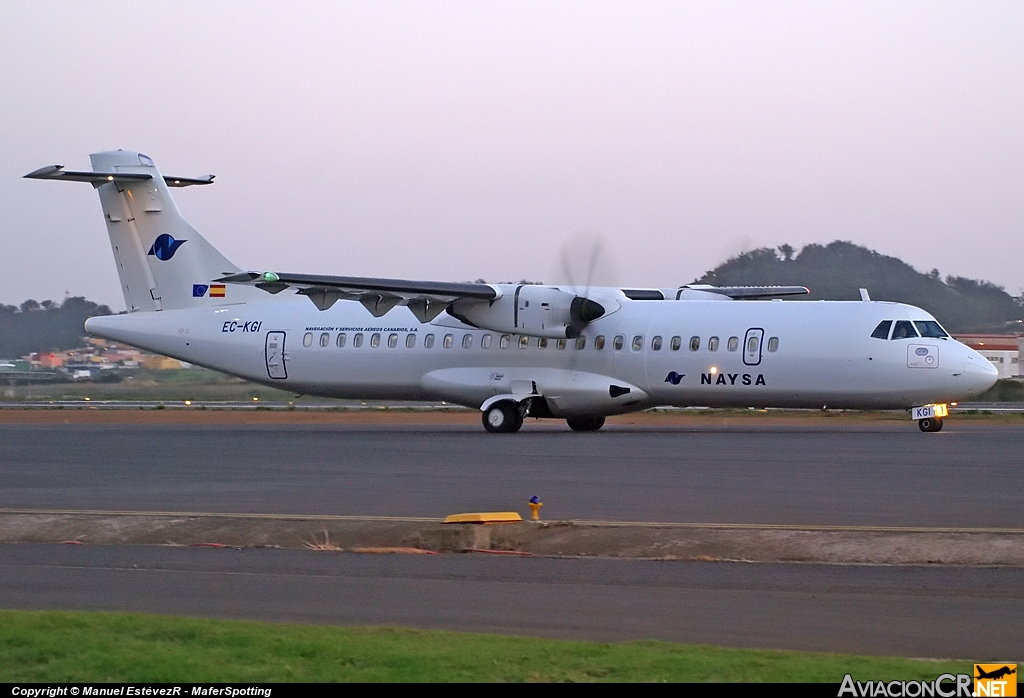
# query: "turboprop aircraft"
{"type": "Point", "coordinates": [509, 350]}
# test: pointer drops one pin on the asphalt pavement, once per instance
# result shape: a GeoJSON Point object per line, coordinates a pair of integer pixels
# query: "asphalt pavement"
{"type": "Point", "coordinates": [850, 473]}
{"type": "Point", "coordinates": [938, 612]}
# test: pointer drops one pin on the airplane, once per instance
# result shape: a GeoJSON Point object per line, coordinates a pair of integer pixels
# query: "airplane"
{"type": "Point", "coordinates": [509, 350]}
{"type": "Point", "coordinates": [995, 673]}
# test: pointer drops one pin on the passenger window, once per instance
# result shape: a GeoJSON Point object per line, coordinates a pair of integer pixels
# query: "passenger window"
{"type": "Point", "coordinates": [325, 339]}
{"type": "Point", "coordinates": [656, 343]}
{"type": "Point", "coordinates": [449, 339]}
{"type": "Point", "coordinates": [542, 343]}
{"type": "Point", "coordinates": [773, 344]}
{"type": "Point", "coordinates": [560, 344]}
{"type": "Point", "coordinates": [930, 328]}
{"type": "Point", "coordinates": [375, 340]}
{"type": "Point", "coordinates": [467, 341]}
{"type": "Point", "coordinates": [694, 343]}
{"type": "Point", "coordinates": [341, 339]}
{"type": "Point", "coordinates": [882, 331]}
{"type": "Point", "coordinates": [357, 340]}
{"type": "Point", "coordinates": [307, 339]}
{"type": "Point", "coordinates": [713, 344]}
{"type": "Point", "coordinates": [638, 342]}
{"type": "Point", "coordinates": [428, 342]}
{"type": "Point", "coordinates": [524, 342]}
{"type": "Point", "coordinates": [903, 330]}
{"type": "Point", "coordinates": [485, 342]}
{"type": "Point", "coordinates": [734, 343]}
{"type": "Point", "coordinates": [599, 342]}
{"type": "Point", "coordinates": [505, 341]}
{"type": "Point", "coordinates": [410, 340]}
{"type": "Point", "coordinates": [677, 342]}
{"type": "Point", "coordinates": [581, 342]}
{"type": "Point", "coordinates": [392, 340]}
{"type": "Point", "coordinates": [752, 344]}
{"type": "Point", "coordinates": [618, 342]}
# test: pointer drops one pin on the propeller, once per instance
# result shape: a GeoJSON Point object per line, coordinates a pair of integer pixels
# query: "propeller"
{"type": "Point", "coordinates": [583, 257]}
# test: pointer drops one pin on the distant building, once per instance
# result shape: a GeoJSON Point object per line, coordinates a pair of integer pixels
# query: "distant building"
{"type": "Point", "coordinates": [52, 360]}
{"type": "Point", "coordinates": [1003, 350]}
{"type": "Point", "coordinates": [159, 363]}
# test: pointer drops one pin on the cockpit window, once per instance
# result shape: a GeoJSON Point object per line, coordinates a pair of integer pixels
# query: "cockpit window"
{"type": "Point", "coordinates": [882, 331]}
{"type": "Point", "coordinates": [930, 328]}
{"type": "Point", "coordinates": [903, 330]}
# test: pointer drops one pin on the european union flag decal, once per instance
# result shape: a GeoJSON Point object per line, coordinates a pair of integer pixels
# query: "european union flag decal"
{"type": "Point", "coordinates": [199, 290]}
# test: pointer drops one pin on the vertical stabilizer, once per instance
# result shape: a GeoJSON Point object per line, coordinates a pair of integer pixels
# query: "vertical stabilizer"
{"type": "Point", "coordinates": [163, 262]}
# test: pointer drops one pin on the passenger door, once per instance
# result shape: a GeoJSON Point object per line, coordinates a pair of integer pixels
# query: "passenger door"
{"type": "Point", "coordinates": [752, 346]}
{"type": "Point", "coordinates": [275, 355]}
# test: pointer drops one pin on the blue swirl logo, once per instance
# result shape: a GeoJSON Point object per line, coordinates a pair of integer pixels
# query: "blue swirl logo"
{"type": "Point", "coordinates": [165, 246]}
{"type": "Point", "coordinates": [674, 378]}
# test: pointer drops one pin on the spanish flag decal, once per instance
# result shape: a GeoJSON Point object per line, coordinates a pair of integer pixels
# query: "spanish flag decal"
{"type": "Point", "coordinates": [217, 290]}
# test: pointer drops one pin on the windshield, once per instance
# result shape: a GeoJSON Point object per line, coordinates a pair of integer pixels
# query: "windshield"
{"type": "Point", "coordinates": [930, 328]}
{"type": "Point", "coordinates": [903, 330]}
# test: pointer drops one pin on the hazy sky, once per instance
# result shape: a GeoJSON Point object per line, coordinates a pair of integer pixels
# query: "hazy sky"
{"type": "Point", "coordinates": [454, 141]}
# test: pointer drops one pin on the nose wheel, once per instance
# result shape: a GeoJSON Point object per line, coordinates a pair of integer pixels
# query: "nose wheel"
{"type": "Point", "coordinates": [930, 424]}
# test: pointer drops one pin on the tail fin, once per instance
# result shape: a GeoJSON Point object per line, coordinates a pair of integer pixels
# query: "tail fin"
{"type": "Point", "coordinates": [163, 262]}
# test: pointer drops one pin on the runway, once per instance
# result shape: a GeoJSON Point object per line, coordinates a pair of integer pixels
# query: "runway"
{"type": "Point", "coordinates": [909, 611]}
{"type": "Point", "coordinates": [859, 474]}
{"type": "Point", "coordinates": [856, 473]}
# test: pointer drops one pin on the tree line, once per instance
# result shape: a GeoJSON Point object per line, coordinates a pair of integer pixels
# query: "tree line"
{"type": "Point", "coordinates": [838, 270]}
{"type": "Point", "coordinates": [46, 326]}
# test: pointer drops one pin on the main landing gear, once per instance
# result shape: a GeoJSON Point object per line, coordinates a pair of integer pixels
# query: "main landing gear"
{"type": "Point", "coordinates": [586, 423]}
{"type": "Point", "coordinates": [503, 418]}
{"type": "Point", "coordinates": [930, 424]}
{"type": "Point", "coordinates": [506, 417]}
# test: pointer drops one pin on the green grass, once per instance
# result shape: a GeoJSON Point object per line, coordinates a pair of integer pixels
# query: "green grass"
{"type": "Point", "coordinates": [52, 646]}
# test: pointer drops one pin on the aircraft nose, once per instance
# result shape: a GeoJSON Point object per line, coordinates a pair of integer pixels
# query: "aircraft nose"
{"type": "Point", "coordinates": [979, 373]}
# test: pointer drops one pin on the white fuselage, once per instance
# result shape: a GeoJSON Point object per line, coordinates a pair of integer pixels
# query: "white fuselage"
{"type": "Point", "coordinates": [807, 354]}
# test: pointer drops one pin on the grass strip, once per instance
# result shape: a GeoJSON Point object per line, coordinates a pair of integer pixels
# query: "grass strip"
{"type": "Point", "coordinates": [51, 646]}
{"type": "Point", "coordinates": [61, 646]}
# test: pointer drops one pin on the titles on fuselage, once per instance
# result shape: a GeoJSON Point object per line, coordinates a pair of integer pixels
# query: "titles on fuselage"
{"type": "Point", "coordinates": [730, 379]}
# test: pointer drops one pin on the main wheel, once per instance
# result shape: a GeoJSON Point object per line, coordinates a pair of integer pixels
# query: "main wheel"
{"type": "Point", "coordinates": [502, 418]}
{"type": "Point", "coordinates": [585, 423]}
{"type": "Point", "coordinates": [930, 424]}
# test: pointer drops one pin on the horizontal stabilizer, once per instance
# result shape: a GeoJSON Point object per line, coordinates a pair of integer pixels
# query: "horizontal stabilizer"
{"type": "Point", "coordinates": [752, 292]}
{"type": "Point", "coordinates": [97, 178]}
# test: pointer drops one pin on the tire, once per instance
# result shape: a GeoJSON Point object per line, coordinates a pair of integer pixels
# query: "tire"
{"type": "Point", "coordinates": [586, 423]}
{"type": "Point", "coordinates": [502, 418]}
{"type": "Point", "coordinates": [930, 424]}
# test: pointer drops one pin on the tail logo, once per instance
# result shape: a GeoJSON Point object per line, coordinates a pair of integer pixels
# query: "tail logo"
{"type": "Point", "coordinates": [165, 246]}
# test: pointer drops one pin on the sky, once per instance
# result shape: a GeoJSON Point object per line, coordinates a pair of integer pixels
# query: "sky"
{"type": "Point", "coordinates": [463, 140]}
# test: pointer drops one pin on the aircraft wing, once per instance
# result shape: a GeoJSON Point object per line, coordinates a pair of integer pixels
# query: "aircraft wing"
{"type": "Point", "coordinates": [752, 292]}
{"type": "Point", "coordinates": [426, 299]}
{"type": "Point", "coordinates": [98, 178]}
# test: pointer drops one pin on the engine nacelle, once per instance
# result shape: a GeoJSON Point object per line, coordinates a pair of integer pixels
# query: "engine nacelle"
{"type": "Point", "coordinates": [539, 311]}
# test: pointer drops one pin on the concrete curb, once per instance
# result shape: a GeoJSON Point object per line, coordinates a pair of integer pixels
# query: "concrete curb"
{"type": "Point", "coordinates": [666, 541]}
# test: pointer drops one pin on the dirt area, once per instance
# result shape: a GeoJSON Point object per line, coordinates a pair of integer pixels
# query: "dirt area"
{"type": "Point", "coordinates": [837, 545]}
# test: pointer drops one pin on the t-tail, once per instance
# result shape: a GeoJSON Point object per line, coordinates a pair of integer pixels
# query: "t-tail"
{"type": "Point", "coordinates": [162, 261]}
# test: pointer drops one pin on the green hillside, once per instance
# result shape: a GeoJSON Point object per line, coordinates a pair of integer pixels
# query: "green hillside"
{"type": "Point", "coordinates": [45, 326]}
{"type": "Point", "coordinates": [836, 271]}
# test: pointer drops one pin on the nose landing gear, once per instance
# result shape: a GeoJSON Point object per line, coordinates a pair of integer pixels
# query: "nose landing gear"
{"type": "Point", "coordinates": [930, 424]}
